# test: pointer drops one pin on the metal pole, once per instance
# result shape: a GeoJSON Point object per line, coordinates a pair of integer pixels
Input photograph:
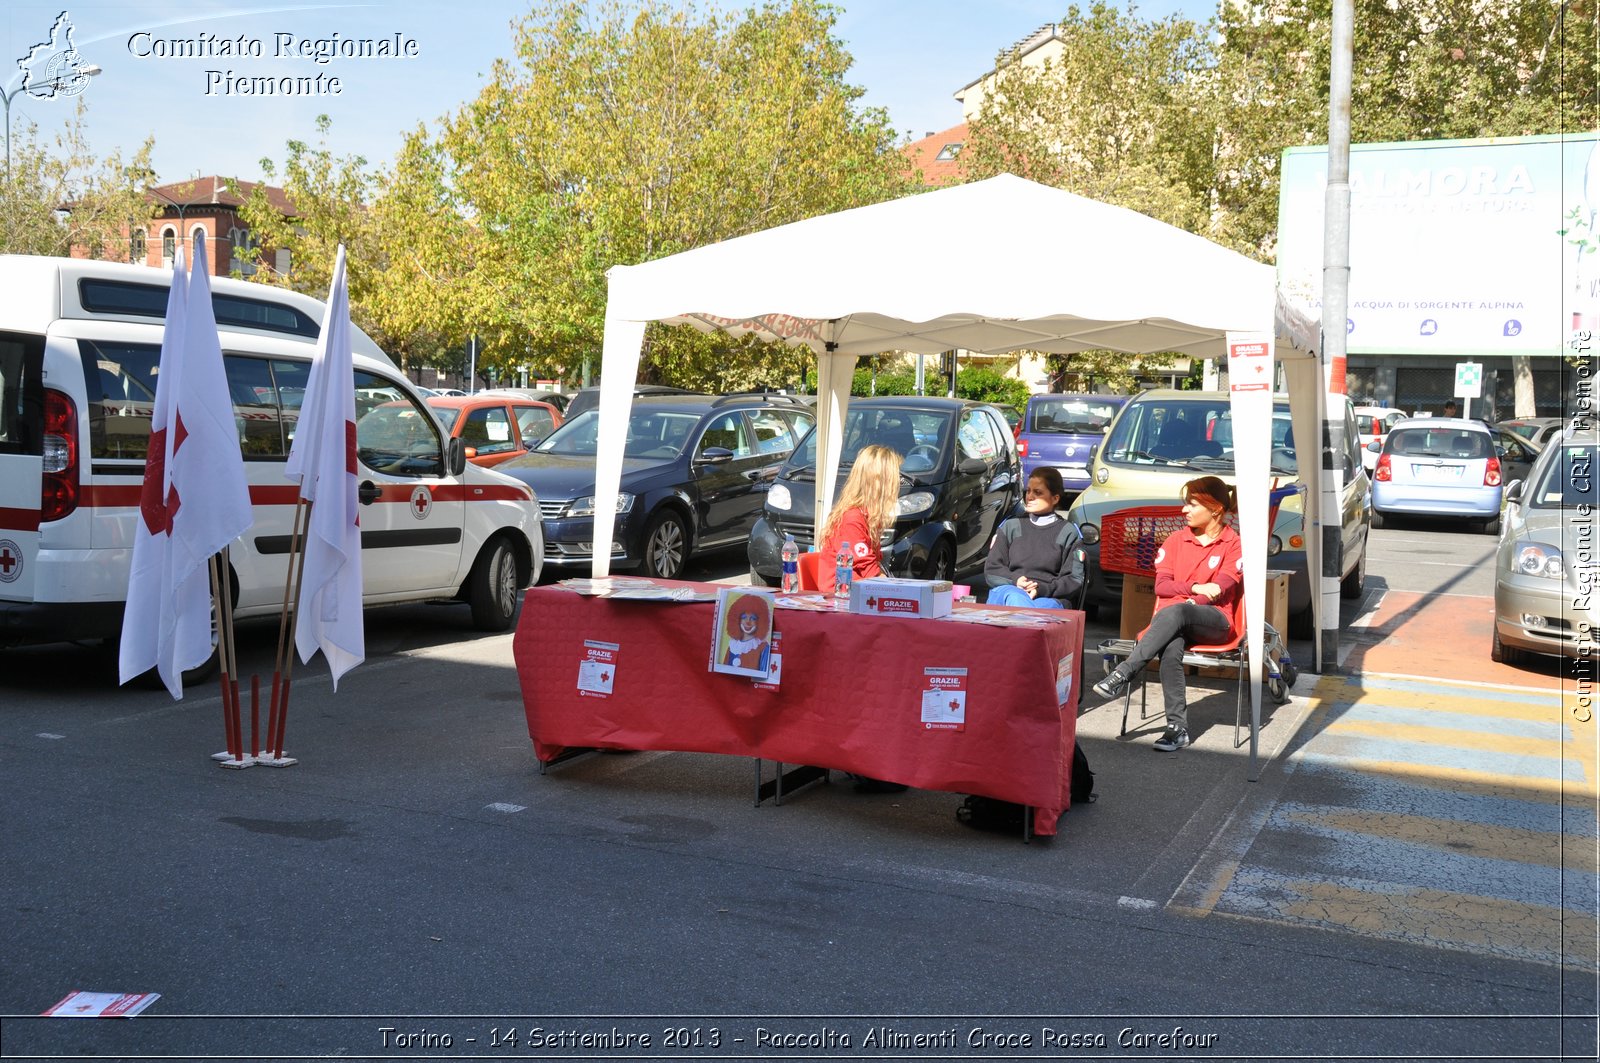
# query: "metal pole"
{"type": "Point", "coordinates": [1335, 312]}
{"type": "Point", "coordinates": [472, 364]}
{"type": "Point", "coordinates": [7, 96]}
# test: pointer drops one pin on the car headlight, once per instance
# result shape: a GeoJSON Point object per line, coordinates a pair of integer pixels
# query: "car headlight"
{"type": "Point", "coordinates": [778, 497]}
{"type": "Point", "coordinates": [584, 507]}
{"type": "Point", "coordinates": [1537, 559]}
{"type": "Point", "coordinates": [914, 503]}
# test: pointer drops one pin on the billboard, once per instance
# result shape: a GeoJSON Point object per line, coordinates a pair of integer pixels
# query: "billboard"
{"type": "Point", "coordinates": [1457, 247]}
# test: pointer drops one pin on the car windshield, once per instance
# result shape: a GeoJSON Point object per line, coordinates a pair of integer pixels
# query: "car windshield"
{"type": "Point", "coordinates": [651, 434]}
{"type": "Point", "coordinates": [922, 438]}
{"type": "Point", "coordinates": [1458, 444]}
{"type": "Point", "coordinates": [1190, 434]}
{"type": "Point", "coordinates": [1567, 479]}
{"type": "Point", "coordinates": [1075, 416]}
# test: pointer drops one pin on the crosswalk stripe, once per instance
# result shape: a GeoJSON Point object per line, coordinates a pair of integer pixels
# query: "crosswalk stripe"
{"type": "Point", "coordinates": [1423, 755]}
{"type": "Point", "coordinates": [1379, 724]}
{"type": "Point", "coordinates": [1516, 930]}
{"type": "Point", "coordinates": [1539, 847]}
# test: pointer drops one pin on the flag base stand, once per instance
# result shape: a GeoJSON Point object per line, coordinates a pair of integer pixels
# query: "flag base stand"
{"type": "Point", "coordinates": [267, 760]}
{"type": "Point", "coordinates": [225, 760]}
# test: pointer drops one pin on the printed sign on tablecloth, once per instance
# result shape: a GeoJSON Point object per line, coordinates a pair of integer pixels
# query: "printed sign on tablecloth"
{"type": "Point", "coordinates": [944, 701]}
{"type": "Point", "coordinates": [597, 672]}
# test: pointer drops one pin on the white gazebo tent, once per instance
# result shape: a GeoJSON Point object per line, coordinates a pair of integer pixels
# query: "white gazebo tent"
{"type": "Point", "coordinates": [997, 265]}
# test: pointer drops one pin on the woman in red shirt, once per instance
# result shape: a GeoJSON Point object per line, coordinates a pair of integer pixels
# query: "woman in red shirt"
{"type": "Point", "coordinates": [1198, 573]}
{"type": "Point", "coordinates": [866, 506]}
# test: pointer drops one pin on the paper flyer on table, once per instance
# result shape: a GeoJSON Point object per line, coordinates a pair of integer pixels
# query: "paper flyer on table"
{"type": "Point", "coordinates": [80, 1005]}
{"type": "Point", "coordinates": [775, 666]}
{"type": "Point", "coordinates": [597, 672]}
{"type": "Point", "coordinates": [944, 701]}
{"type": "Point", "coordinates": [741, 635]}
{"type": "Point", "coordinates": [1064, 672]}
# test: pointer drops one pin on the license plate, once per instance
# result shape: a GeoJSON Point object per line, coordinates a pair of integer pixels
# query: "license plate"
{"type": "Point", "coordinates": [1437, 472]}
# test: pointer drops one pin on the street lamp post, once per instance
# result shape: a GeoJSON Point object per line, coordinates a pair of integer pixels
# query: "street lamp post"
{"type": "Point", "coordinates": [60, 81]}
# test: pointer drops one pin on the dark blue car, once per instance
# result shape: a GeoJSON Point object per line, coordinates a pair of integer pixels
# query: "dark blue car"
{"type": "Point", "coordinates": [694, 474]}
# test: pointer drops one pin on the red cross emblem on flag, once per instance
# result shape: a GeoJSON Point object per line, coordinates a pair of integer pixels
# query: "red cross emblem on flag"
{"type": "Point", "coordinates": [158, 512]}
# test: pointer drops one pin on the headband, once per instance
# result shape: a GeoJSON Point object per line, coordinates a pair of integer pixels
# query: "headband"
{"type": "Point", "coordinates": [1209, 501]}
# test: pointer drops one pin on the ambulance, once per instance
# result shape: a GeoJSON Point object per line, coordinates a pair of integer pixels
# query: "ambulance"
{"type": "Point", "coordinates": [80, 343]}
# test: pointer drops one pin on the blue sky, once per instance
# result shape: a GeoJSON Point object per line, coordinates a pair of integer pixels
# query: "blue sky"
{"type": "Point", "coordinates": [911, 56]}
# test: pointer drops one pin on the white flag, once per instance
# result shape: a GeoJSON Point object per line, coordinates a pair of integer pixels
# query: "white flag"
{"type": "Point", "coordinates": [195, 500]}
{"type": "Point", "coordinates": [323, 460]}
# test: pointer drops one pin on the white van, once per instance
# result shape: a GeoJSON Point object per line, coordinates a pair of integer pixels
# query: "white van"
{"type": "Point", "coordinates": [80, 342]}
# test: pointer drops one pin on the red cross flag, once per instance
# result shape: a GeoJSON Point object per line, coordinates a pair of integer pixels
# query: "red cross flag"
{"type": "Point", "coordinates": [323, 461]}
{"type": "Point", "coordinates": [195, 500]}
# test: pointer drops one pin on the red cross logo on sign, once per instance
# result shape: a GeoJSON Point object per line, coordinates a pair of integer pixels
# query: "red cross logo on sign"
{"type": "Point", "coordinates": [421, 503]}
{"type": "Point", "coordinates": [10, 561]}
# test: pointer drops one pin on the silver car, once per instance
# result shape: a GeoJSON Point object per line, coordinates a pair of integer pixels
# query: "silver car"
{"type": "Point", "coordinates": [1447, 467]}
{"type": "Point", "coordinates": [1549, 556]}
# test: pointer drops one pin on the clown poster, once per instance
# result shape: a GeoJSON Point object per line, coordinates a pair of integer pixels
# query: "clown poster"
{"type": "Point", "coordinates": [741, 641]}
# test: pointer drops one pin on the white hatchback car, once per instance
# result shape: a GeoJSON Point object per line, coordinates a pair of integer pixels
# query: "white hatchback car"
{"type": "Point", "coordinates": [1372, 424]}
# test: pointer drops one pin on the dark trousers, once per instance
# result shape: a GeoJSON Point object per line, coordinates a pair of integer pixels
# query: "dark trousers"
{"type": "Point", "coordinates": [1173, 630]}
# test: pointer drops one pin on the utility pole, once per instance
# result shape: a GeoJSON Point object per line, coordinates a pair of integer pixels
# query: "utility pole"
{"type": "Point", "coordinates": [1335, 312]}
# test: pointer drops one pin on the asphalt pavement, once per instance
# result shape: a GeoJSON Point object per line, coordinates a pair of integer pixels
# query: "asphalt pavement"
{"type": "Point", "coordinates": [1411, 877]}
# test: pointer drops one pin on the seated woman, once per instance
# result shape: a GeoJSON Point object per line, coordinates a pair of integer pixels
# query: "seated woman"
{"type": "Point", "coordinates": [1034, 558]}
{"type": "Point", "coordinates": [866, 506]}
{"type": "Point", "coordinates": [1198, 574]}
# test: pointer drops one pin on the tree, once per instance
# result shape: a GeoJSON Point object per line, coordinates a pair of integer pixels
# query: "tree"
{"type": "Point", "coordinates": [626, 134]}
{"type": "Point", "coordinates": [62, 195]}
{"type": "Point", "coordinates": [1121, 115]}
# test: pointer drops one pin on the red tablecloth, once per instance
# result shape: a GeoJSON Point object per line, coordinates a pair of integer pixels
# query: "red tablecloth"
{"type": "Point", "coordinates": [850, 696]}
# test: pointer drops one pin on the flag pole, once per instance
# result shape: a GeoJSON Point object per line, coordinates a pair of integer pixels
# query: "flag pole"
{"type": "Point", "coordinates": [230, 709]}
{"type": "Point", "coordinates": [283, 663]}
{"type": "Point", "coordinates": [224, 590]}
{"type": "Point", "coordinates": [294, 618]}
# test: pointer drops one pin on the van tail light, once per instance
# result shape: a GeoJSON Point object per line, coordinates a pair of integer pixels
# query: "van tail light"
{"type": "Point", "coordinates": [1491, 473]}
{"type": "Point", "coordinates": [1022, 447]}
{"type": "Point", "coordinates": [59, 488]}
{"type": "Point", "coordinates": [1383, 472]}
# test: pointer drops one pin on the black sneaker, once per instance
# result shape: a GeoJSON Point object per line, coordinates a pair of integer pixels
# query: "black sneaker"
{"type": "Point", "coordinates": [1113, 684]}
{"type": "Point", "coordinates": [1171, 741]}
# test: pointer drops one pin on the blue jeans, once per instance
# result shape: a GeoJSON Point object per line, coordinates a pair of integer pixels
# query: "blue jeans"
{"type": "Point", "coordinates": [1011, 594]}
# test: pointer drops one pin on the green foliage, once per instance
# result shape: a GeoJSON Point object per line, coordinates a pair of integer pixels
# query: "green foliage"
{"type": "Point", "coordinates": [990, 385]}
{"type": "Point", "coordinates": [62, 194]}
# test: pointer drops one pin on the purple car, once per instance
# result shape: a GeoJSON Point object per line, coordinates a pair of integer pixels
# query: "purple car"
{"type": "Point", "coordinates": [1064, 430]}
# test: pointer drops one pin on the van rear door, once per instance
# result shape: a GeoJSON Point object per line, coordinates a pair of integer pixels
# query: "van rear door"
{"type": "Point", "coordinates": [21, 461]}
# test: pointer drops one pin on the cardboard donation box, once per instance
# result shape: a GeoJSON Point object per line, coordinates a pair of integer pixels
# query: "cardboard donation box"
{"type": "Point", "coordinates": [1139, 600]}
{"type": "Point", "coordinates": [889, 596]}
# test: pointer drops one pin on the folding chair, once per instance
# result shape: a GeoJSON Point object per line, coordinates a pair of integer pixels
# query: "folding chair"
{"type": "Point", "coordinates": [1278, 670]}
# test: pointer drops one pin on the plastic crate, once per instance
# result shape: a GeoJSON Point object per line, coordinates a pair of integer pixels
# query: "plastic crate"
{"type": "Point", "coordinates": [1130, 538]}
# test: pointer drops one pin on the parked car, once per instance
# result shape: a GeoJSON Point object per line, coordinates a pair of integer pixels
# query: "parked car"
{"type": "Point", "coordinates": [1545, 569]}
{"type": "Point", "coordinates": [495, 426]}
{"type": "Point", "coordinates": [693, 472]}
{"type": "Point", "coordinates": [1372, 424]}
{"type": "Point", "coordinates": [1162, 439]}
{"type": "Point", "coordinates": [558, 399]}
{"type": "Point", "coordinates": [961, 476]}
{"type": "Point", "coordinates": [1537, 430]}
{"type": "Point", "coordinates": [1012, 415]}
{"type": "Point", "coordinates": [80, 344]}
{"type": "Point", "coordinates": [1064, 430]}
{"type": "Point", "coordinates": [589, 398]}
{"type": "Point", "coordinates": [1448, 467]}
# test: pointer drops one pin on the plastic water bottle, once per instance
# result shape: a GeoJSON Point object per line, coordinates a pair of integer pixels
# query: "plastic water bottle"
{"type": "Point", "coordinates": [844, 570]}
{"type": "Point", "coordinates": [791, 564]}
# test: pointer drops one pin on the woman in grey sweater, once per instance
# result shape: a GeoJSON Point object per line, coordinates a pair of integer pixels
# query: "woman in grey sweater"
{"type": "Point", "coordinates": [1035, 558]}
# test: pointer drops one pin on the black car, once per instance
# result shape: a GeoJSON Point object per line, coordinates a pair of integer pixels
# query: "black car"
{"type": "Point", "coordinates": [694, 470]}
{"type": "Point", "coordinates": [960, 477]}
{"type": "Point", "coordinates": [589, 398]}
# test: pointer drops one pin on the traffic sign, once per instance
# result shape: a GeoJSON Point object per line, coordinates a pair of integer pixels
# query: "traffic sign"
{"type": "Point", "coordinates": [1469, 380]}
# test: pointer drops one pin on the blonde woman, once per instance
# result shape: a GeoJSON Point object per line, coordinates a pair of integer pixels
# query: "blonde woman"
{"type": "Point", "coordinates": [865, 507]}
